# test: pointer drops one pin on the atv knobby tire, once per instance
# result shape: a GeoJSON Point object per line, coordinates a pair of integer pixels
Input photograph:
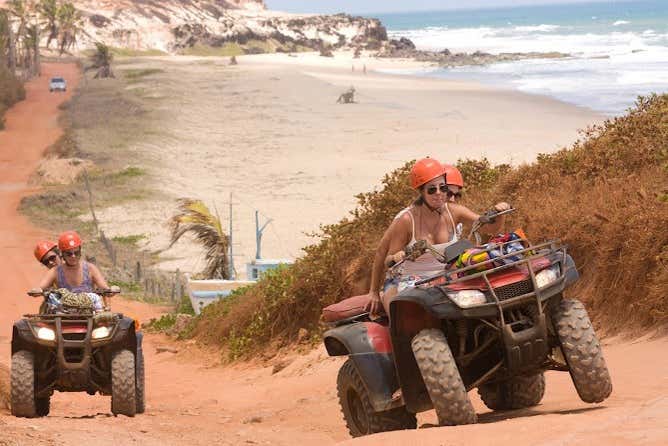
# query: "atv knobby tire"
{"type": "Point", "coordinates": [582, 351]}
{"type": "Point", "coordinates": [358, 413]}
{"type": "Point", "coordinates": [442, 378]}
{"type": "Point", "coordinates": [22, 382]}
{"type": "Point", "coordinates": [516, 393]}
{"type": "Point", "coordinates": [140, 396]}
{"type": "Point", "coordinates": [123, 390]}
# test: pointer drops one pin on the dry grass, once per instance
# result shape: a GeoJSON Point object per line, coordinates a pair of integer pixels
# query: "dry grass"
{"type": "Point", "coordinates": [605, 197]}
{"type": "Point", "coordinates": [11, 91]}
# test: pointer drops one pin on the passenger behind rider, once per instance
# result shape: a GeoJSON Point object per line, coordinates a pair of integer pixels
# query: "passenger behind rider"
{"type": "Point", "coordinates": [46, 253]}
{"type": "Point", "coordinates": [74, 274]}
{"type": "Point", "coordinates": [431, 217]}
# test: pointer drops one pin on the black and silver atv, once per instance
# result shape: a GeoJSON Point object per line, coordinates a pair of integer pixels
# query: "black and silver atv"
{"type": "Point", "coordinates": [76, 349]}
{"type": "Point", "coordinates": [495, 326]}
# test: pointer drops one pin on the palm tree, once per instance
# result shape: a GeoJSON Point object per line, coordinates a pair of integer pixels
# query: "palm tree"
{"type": "Point", "coordinates": [70, 25]}
{"type": "Point", "coordinates": [101, 60]}
{"type": "Point", "coordinates": [20, 10]}
{"type": "Point", "coordinates": [31, 44]}
{"type": "Point", "coordinates": [48, 9]}
{"type": "Point", "coordinates": [193, 216]}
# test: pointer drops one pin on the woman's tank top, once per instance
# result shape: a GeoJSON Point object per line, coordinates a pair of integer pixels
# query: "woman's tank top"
{"type": "Point", "coordinates": [426, 264]}
{"type": "Point", "coordinates": [86, 284]}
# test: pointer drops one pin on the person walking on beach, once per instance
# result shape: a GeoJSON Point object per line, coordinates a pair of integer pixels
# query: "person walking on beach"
{"type": "Point", "coordinates": [427, 218]}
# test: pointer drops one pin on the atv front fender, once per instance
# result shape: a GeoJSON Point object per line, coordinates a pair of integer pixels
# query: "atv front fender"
{"type": "Point", "coordinates": [368, 346]}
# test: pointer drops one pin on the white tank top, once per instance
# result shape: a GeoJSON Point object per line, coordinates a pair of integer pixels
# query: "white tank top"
{"type": "Point", "coordinates": [426, 264]}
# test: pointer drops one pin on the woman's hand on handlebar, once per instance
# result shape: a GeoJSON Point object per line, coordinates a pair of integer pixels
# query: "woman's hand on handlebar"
{"type": "Point", "coordinates": [375, 305]}
{"type": "Point", "coordinates": [395, 258]}
{"type": "Point", "coordinates": [502, 206]}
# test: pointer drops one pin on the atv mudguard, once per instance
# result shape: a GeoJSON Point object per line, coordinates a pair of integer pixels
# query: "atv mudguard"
{"type": "Point", "coordinates": [23, 337]}
{"type": "Point", "coordinates": [368, 346]}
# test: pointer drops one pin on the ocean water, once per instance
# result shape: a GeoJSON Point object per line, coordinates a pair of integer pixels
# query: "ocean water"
{"type": "Point", "coordinates": [619, 49]}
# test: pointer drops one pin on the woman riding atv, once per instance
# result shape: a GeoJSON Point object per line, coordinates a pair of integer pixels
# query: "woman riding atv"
{"type": "Point", "coordinates": [74, 274]}
{"type": "Point", "coordinates": [431, 217]}
{"type": "Point", "coordinates": [46, 253]}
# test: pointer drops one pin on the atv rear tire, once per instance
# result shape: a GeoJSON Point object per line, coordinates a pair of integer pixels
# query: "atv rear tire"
{"type": "Point", "coordinates": [358, 413]}
{"type": "Point", "coordinates": [582, 351]}
{"type": "Point", "coordinates": [22, 382]}
{"type": "Point", "coordinates": [123, 390]}
{"type": "Point", "coordinates": [516, 393]}
{"type": "Point", "coordinates": [140, 396]}
{"type": "Point", "coordinates": [442, 378]}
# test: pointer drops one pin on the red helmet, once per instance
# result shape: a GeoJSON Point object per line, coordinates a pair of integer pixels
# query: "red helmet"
{"type": "Point", "coordinates": [424, 171]}
{"type": "Point", "coordinates": [454, 175]}
{"type": "Point", "coordinates": [69, 240]}
{"type": "Point", "coordinates": [42, 248]}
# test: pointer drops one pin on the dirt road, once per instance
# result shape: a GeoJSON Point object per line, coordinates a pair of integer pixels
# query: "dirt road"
{"type": "Point", "coordinates": [193, 400]}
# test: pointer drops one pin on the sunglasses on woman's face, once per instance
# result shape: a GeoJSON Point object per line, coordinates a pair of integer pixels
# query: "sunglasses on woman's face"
{"type": "Point", "coordinates": [451, 194]}
{"type": "Point", "coordinates": [49, 260]}
{"type": "Point", "coordinates": [431, 190]}
{"type": "Point", "coordinates": [75, 253]}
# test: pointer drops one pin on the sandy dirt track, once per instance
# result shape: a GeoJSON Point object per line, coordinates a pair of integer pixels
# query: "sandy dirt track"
{"type": "Point", "coordinates": [193, 400]}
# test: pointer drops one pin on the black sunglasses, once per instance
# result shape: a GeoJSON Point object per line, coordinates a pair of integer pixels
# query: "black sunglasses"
{"type": "Point", "coordinates": [76, 253]}
{"type": "Point", "coordinates": [431, 190]}
{"type": "Point", "coordinates": [454, 194]}
{"type": "Point", "coordinates": [48, 260]}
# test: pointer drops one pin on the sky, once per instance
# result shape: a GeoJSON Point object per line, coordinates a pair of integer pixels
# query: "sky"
{"type": "Point", "coordinates": [371, 6]}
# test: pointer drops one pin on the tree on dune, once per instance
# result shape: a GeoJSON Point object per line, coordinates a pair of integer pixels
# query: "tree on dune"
{"type": "Point", "coordinates": [194, 216]}
{"type": "Point", "coordinates": [70, 25]}
{"type": "Point", "coordinates": [48, 9]}
{"type": "Point", "coordinates": [101, 61]}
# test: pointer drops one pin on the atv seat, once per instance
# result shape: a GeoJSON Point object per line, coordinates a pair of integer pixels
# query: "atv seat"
{"type": "Point", "coordinates": [347, 308]}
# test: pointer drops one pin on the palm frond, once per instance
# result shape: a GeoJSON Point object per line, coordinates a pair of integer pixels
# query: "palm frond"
{"type": "Point", "coordinates": [194, 217]}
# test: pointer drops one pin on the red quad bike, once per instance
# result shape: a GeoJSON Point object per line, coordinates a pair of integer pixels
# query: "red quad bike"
{"type": "Point", "coordinates": [76, 349]}
{"type": "Point", "coordinates": [495, 326]}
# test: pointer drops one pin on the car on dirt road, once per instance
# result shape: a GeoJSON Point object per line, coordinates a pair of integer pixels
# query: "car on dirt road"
{"type": "Point", "coordinates": [497, 326]}
{"type": "Point", "coordinates": [70, 347]}
{"type": "Point", "coordinates": [57, 84]}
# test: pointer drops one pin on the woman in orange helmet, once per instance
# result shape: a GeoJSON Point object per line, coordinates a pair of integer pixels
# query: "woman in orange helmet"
{"type": "Point", "coordinates": [74, 274]}
{"type": "Point", "coordinates": [455, 181]}
{"type": "Point", "coordinates": [46, 253]}
{"type": "Point", "coordinates": [428, 218]}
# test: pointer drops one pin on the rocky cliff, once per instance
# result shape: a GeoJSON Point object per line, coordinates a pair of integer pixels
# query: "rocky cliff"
{"type": "Point", "coordinates": [177, 25]}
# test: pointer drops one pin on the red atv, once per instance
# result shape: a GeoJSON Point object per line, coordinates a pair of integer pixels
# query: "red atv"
{"type": "Point", "coordinates": [495, 326]}
{"type": "Point", "coordinates": [72, 347]}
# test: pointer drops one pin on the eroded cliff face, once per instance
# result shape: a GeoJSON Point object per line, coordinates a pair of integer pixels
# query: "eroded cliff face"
{"type": "Point", "coordinates": [177, 25]}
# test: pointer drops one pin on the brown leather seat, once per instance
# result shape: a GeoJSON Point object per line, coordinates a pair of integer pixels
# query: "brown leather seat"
{"type": "Point", "coordinates": [352, 306]}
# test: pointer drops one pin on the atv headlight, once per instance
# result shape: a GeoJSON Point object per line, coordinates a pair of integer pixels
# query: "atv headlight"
{"type": "Point", "coordinates": [467, 298]}
{"type": "Point", "coordinates": [100, 332]}
{"type": "Point", "coordinates": [547, 276]}
{"type": "Point", "coordinates": [46, 334]}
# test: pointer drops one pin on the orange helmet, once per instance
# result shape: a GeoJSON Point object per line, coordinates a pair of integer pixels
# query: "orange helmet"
{"type": "Point", "coordinates": [424, 171]}
{"type": "Point", "coordinates": [454, 175]}
{"type": "Point", "coordinates": [69, 240]}
{"type": "Point", "coordinates": [42, 248]}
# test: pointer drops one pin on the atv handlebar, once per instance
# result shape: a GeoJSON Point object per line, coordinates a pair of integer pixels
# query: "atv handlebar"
{"type": "Point", "coordinates": [486, 218]}
{"type": "Point", "coordinates": [36, 292]}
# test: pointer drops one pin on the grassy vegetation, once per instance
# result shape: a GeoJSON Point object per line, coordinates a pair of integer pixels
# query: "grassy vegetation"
{"type": "Point", "coordinates": [135, 75]}
{"type": "Point", "coordinates": [11, 91]}
{"type": "Point", "coordinates": [603, 197]}
{"type": "Point", "coordinates": [253, 46]}
{"type": "Point", "coordinates": [127, 52]}
{"type": "Point", "coordinates": [129, 239]}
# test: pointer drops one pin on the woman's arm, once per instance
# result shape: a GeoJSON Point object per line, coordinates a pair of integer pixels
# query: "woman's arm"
{"type": "Point", "coordinates": [99, 282]}
{"type": "Point", "coordinates": [49, 279]}
{"type": "Point", "coordinates": [462, 214]}
{"type": "Point", "coordinates": [393, 240]}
